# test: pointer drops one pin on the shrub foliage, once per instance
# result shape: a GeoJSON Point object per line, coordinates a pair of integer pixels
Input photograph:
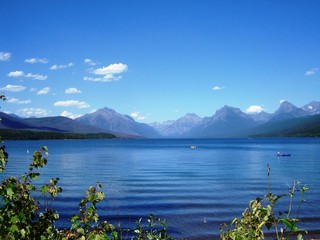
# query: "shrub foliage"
{"type": "Point", "coordinates": [261, 215]}
{"type": "Point", "coordinates": [24, 216]}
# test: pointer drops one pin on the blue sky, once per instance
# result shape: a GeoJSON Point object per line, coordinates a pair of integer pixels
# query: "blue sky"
{"type": "Point", "coordinates": [157, 60]}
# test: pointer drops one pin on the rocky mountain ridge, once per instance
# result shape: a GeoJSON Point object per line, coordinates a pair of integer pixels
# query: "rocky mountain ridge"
{"type": "Point", "coordinates": [225, 122]}
{"type": "Point", "coordinates": [232, 122]}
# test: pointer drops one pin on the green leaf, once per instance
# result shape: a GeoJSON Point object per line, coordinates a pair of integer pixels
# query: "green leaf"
{"type": "Point", "coordinates": [80, 231]}
{"type": "Point", "coordinates": [14, 228]}
{"type": "Point", "coordinates": [289, 223]}
{"type": "Point", "coordinates": [14, 219]}
{"type": "Point", "coordinates": [10, 192]}
{"type": "Point", "coordinates": [23, 233]}
{"type": "Point", "coordinates": [44, 189]}
{"type": "Point", "coordinates": [100, 196]}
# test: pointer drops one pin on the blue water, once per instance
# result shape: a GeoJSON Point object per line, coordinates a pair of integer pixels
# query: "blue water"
{"type": "Point", "coordinates": [194, 189]}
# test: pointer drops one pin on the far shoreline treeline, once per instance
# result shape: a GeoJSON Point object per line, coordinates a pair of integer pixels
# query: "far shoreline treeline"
{"type": "Point", "coordinates": [45, 135]}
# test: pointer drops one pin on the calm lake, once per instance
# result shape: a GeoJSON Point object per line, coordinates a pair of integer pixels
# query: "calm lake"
{"type": "Point", "coordinates": [194, 189]}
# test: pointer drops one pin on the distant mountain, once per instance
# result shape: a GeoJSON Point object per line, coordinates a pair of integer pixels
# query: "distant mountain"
{"type": "Point", "coordinates": [181, 126]}
{"type": "Point", "coordinates": [287, 120]}
{"type": "Point", "coordinates": [261, 117]}
{"type": "Point", "coordinates": [9, 121]}
{"type": "Point", "coordinates": [111, 121]}
{"type": "Point", "coordinates": [312, 108]}
{"type": "Point", "coordinates": [288, 111]}
{"type": "Point", "coordinates": [226, 122]}
{"type": "Point", "coordinates": [308, 126]}
{"type": "Point", "coordinates": [54, 124]}
{"type": "Point", "coordinates": [160, 126]}
{"type": "Point", "coordinates": [62, 124]}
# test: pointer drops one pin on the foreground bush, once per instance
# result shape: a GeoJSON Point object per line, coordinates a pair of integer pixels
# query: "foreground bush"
{"type": "Point", "coordinates": [260, 215]}
{"type": "Point", "coordinates": [23, 216]}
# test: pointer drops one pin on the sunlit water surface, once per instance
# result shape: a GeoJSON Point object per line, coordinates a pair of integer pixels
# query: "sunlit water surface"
{"type": "Point", "coordinates": [194, 189]}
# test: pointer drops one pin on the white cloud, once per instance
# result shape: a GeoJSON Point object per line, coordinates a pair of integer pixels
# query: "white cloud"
{"type": "Point", "coordinates": [43, 91]}
{"type": "Point", "coordinates": [56, 67]}
{"type": "Point", "coordinates": [36, 60]}
{"type": "Point", "coordinates": [36, 76]}
{"type": "Point", "coordinates": [17, 101]}
{"type": "Point", "coordinates": [217, 88]}
{"type": "Point", "coordinates": [89, 62]}
{"type": "Point", "coordinates": [134, 114]}
{"type": "Point", "coordinates": [5, 56]}
{"type": "Point", "coordinates": [254, 109]}
{"type": "Point", "coordinates": [311, 72]}
{"type": "Point", "coordinates": [71, 103]}
{"type": "Point", "coordinates": [109, 73]}
{"type": "Point", "coordinates": [33, 112]}
{"type": "Point", "coordinates": [72, 90]}
{"type": "Point", "coordinates": [16, 74]}
{"type": "Point", "coordinates": [137, 115]}
{"type": "Point", "coordinates": [70, 115]}
{"type": "Point", "coordinates": [106, 78]}
{"type": "Point", "coordinates": [115, 68]}
{"type": "Point", "coordinates": [95, 79]}
{"type": "Point", "coordinates": [28, 75]}
{"type": "Point", "coordinates": [13, 88]}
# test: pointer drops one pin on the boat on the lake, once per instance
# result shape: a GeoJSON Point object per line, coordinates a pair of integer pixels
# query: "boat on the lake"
{"type": "Point", "coordinates": [283, 154]}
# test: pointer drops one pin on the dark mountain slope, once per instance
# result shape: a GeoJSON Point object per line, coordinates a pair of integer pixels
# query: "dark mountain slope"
{"type": "Point", "coordinates": [62, 124]}
{"type": "Point", "coordinates": [111, 121]}
{"type": "Point", "coordinates": [181, 126]}
{"type": "Point", "coordinates": [288, 111]}
{"type": "Point", "coordinates": [297, 127]}
{"type": "Point", "coordinates": [11, 122]}
{"type": "Point", "coordinates": [53, 124]}
{"type": "Point", "coordinates": [226, 122]}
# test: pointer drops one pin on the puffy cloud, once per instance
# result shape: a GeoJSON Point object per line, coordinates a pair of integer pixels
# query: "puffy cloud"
{"type": "Point", "coordinates": [311, 72]}
{"type": "Point", "coordinates": [17, 101]}
{"type": "Point", "coordinates": [5, 56]}
{"type": "Point", "coordinates": [134, 114]}
{"type": "Point", "coordinates": [13, 88]}
{"type": "Point", "coordinates": [216, 88]}
{"type": "Point", "coordinates": [28, 75]}
{"type": "Point", "coordinates": [70, 115]}
{"type": "Point", "coordinates": [33, 112]}
{"type": "Point", "coordinates": [89, 62]}
{"type": "Point", "coordinates": [100, 79]}
{"type": "Point", "coordinates": [36, 60]}
{"type": "Point", "coordinates": [56, 67]}
{"type": "Point", "coordinates": [72, 90]}
{"type": "Point", "coordinates": [36, 76]}
{"type": "Point", "coordinates": [254, 109]}
{"type": "Point", "coordinates": [71, 103]}
{"type": "Point", "coordinates": [137, 116]}
{"type": "Point", "coordinates": [43, 91]}
{"type": "Point", "coordinates": [16, 74]}
{"type": "Point", "coordinates": [115, 68]}
{"type": "Point", "coordinates": [108, 73]}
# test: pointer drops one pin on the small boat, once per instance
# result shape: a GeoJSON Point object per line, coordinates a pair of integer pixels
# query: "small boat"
{"type": "Point", "coordinates": [280, 154]}
{"type": "Point", "coordinates": [193, 147]}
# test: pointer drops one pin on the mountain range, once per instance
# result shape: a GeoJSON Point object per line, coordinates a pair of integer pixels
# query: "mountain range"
{"type": "Point", "coordinates": [287, 120]}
